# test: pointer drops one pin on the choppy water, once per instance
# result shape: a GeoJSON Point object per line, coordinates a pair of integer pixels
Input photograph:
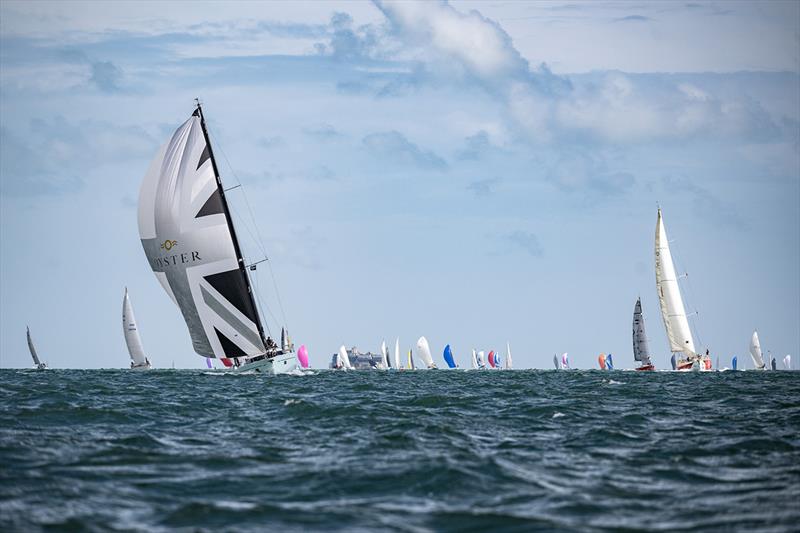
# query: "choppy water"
{"type": "Point", "coordinates": [412, 451]}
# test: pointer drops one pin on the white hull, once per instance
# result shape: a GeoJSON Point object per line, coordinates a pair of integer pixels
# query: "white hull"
{"type": "Point", "coordinates": [280, 364]}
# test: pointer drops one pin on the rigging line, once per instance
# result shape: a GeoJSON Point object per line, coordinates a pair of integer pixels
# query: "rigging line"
{"type": "Point", "coordinates": [259, 240]}
{"type": "Point", "coordinates": [695, 323]}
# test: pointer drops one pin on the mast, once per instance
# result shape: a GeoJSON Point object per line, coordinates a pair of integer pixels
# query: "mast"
{"type": "Point", "coordinates": [240, 259]}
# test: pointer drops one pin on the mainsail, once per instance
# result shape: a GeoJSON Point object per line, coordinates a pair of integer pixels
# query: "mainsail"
{"type": "Point", "coordinates": [787, 362]}
{"type": "Point", "coordinates": [131, 332]}
{"type": "Point", "coordinates": [474, 359]}
{"type": "Point", "coordinates": [669, 296]}
{"type": "Point", "coordinates": [344, 358]}
{"type": "Point", "coordinates": [481, 359]}
{"type": "Point", "coordinates": [448, 357]}
{"type": "Point", "coordinates": [755, 352]}
{"type": "Point", "coordinates": [641, 351]}
{"type": "Point", "coordinates": [397, 354]}
{"type": "Point", "coordinates": [384, 355]}
{"type": "Point", "coordinates": [733, 362]}
{"type": "Point", "coordinates": [509, 363]}
{"type": "Point", "coordinates": [35, 356]}
{"type": "Point", "coordinates": [425, 352]}
{"type": "Point", "coordinates": [555, 361]}
{"type": "Point", "coordinates": [190, 241]}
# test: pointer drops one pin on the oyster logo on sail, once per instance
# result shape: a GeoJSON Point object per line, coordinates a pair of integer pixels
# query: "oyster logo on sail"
{"type": "Point", "coordinates": [176, 259]}
{"type": "Point", "coordinates": [168, 244]}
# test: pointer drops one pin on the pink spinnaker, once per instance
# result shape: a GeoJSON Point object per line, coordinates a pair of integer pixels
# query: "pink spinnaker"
{"type": "Point", "coordinates": [302, 356]}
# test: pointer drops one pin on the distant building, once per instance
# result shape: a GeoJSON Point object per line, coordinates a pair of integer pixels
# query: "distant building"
{"type": "Point", "coordinates": [358, 360]}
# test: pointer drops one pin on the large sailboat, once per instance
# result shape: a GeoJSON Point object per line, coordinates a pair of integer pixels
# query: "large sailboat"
{"type": "Point", "coordinates": [672, 310]}
{"type": "Point", "coordinates": [641, 351]}
{"type": "Point", "coordinates": [138, 360]}
{"type": "Point", "coordinates": [40, 365]}
{"type": "Point", "coordinates": [424, 350]}
{"type": "Point", "coordinates": [190, 241]}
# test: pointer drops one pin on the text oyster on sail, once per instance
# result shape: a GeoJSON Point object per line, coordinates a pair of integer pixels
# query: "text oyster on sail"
{"type": "Point", "coordinates": [169, 260]}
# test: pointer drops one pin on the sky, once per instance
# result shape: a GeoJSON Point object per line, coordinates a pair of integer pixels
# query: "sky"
{"type": "Point", "coordinates": [475, 172]}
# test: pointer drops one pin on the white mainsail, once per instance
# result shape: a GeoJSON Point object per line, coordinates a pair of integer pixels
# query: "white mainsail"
{"type": "Point", "coordinates": [481, 359]}
{"type": "Point", "coordinates": [32, 349]}
{"type": "Point", "coordinates": [425, 352]}
{"type": "Point", "coordinates": [669, 296]}
{"type": "Point", "coordinates": [384, 355]}
{"type": "Point", "coordinates": [132, 339]}
{"type": "Point", "coordinates": [397, 364]}
{"type": "Point", "coordinates": [555, 362]}
{"type": "Point", "coordinates": [509, 363]}
{"type": "Point", "coordinates": [474, 359]}
{"type": "Point", "coordinates": [787, 362]}
{"type": "Point", "coordinates": [641, 351]}
{"type": "Point", "coordinates": [755, 352]}
{"type": "Point", "coordinates": [190, 242]}
{"type": "Point", "coordinates": [344, 358]}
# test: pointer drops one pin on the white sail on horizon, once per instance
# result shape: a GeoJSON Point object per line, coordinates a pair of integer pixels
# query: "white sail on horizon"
{"type": "Point", "coordinates": [787, 362]}
{"type": "Point", "coordinates": [344, 358]}
{"type": "Point", "coordinates": [132, 339]}
{"type": "Point", "coordinates": [397, 364]}
{"type": "Point", "coordinates": [474, 359]}
{"type": "Point", "coordinates": [34, 355]}
{"type": "Point", "coordinates": [509, 363]}
{"type": "Point", "coordinates": [384, 355]}
{"type": "Point", "coordinates": [755, 352]}
{"type": "Point", "coordinates": [425, 352]}
{"type": "Point", "coordinates": [673, 312]}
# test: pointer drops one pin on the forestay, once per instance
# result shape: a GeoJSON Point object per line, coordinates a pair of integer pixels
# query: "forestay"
{"type": "Point", "coordinates": [190, 242]}
{"type": "Point", "coordinates": [669, 295]}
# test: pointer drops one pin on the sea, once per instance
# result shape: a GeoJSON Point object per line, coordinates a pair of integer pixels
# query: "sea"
{"type": "Point", "coordinates": [526, 450]}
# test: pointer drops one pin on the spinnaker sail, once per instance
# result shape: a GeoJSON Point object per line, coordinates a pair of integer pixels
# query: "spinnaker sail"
{"type": "Point", "coordinates": [190, 241]}
{"type": "Point", "coordinates": [787, 362]}
{"type": "Point", "coordinates": [448, 357]}
{"type": "Point", "coordinates": [601, 360]}
{"type": "Point", "coordinates": [481, 359]}
{"type": "Point", "coordinates": [132, 339]}
{"type": "Point", "coordinates": [755, 352]}
{"type": "Point", "coordinates": [610, 362]}
{"type": "Point", "coordinates": [490, 358]}
{"type": "Point", "coordinates": [733, 362]}
{"type": "Point", "coordinates": [565, 361]}
{"type": "Point", "coordinates": [302, 356]}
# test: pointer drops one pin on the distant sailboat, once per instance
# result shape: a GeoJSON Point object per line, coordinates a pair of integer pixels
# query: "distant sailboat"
{"type": "Point", "coordinates": [36, 361]}
{"type": "Point", "coordinates": [787, 362]}
{"type": "Point", "coordinates": [509, 364]}
{"type": "Point", "coordinates": [474, 359]}
{"type": "Point", "coordinates": [641, 350]}
{"type": "Point", "coordinates": [138, 360]}
{"type": "Point", "coordinates": [411, 365]}
{"type": "Point", "coordinates": [755, 352]}
{"type": "Point", "coordinates": [448, 357]}
{"type": "Point", "coordinates": [733, 362]}
{"type": "Point", "coordinates": [481, 359]}
{"type": "Point", "coordinates": [344, 358]}
{"type": "Point", "coordinates": [190, 241]}
{"type": "Point", "coordinates": [774, 363]}
{"type": "Point", "coordinates": [302, 356]}
{"type": "Point", "coordinates": [385, 356]}
{"type": "Point", "coordinates": [565, 361]}
{"type": "Point", "coordinates": [397, 364]}
{"type": "Point", "coordinates": [601, 361]}
{"type": "Point", "coordinates": [672, 311]}
{"type": "Point", "coordinates": [490, 358]}
{"type": "Point", "coordinates": [425, 352]}
{"type": "Point", "coordinates": [610, 362]}
{"type": "Point", "coordinates": [555, 362]}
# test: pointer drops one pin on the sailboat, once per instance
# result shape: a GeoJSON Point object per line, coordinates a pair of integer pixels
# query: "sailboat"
{"type": "Point", "coordinates": [555, 362]}
{"type": "Point", "coordinates": [344, 359]}
{"type": "Point", "coordinates": [385, 356]}
{"type": "Point", "coordinates": [773, 363]}
{"type": "Point", "coordinates": [411, 365]}
{"type": "Point", "coordinates": [190, 240]}
{"type": "Point", "coordinates": [474, 360]}
{"type": "Point", "coordinates": [302, 356]}
{"type": "Point", "coordinates": [448, 357]}
{"type": "Point", "coordinates": [425, 352]}
{"type": "Point", "coordinates": [36, 361]}
{"type": "Point", "coordinates": [601, 360]}
{"type": "Point", "coordinates": [397, 364]}
{"type": "Point", "coordinates": [641, 350]}
{"type": "Point", "coordinates": [734, 361]}
{"type": "Point", "coordinates": [490, 358]}
{"type": "Point", "coordinates": [787, 362]}
{"type": "Point", "coordinates": [610, 362]}
{"type": "Point", "coordinates": [481, 359]}
{"type": "Point", "coordinates": [565, 361]}
{"type": "Point", "coordinates": [672, 311]}
{"type": "Point", "coordinates": [755, 352]}
{"type": "Point", "coordinates": [138, 360]}
{"type": "Point", "coordinates": [509, 364]}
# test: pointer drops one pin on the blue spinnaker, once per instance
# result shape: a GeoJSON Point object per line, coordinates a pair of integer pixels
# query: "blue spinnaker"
{"type": "Point", "coordinates": [674, 362]}
{"type": "Point", "coordinates": [609, 362]}
{"type": "Point", "coordinates": [733, 362]}
{"type": "Point", "coordinates": [448, 357]}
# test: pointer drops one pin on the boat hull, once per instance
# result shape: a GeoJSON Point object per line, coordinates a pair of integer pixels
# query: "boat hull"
{"type": "Point", "coordinates": [145, 366]}
{"type": "Point", "coordinates": [698, 365]}
{"type": "Point", "coordinates": [647, 368]}
{"type": "Point", "coordinates": [284, 363]}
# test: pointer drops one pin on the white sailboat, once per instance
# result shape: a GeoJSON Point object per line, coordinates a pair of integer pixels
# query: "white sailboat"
{"type": "Point", "coordinates": [40, 365]}
{"type": "Point", "coordinates": [344, 358]}
{"type": "Point", "coordinates": [565, 361]}
{"type": "Point", "coordinates": [424, 351]}
{"type": "Point", "coordinates": [190, 242]}
{"type": "Point", "coordinates": [787, 362]}
{"type": "Point", "coordinates": [672, 310]}
{"type": "Point", "coordinates": [474, 359]}
{"type": "Point", "coordinates": [397, 364]}
{"type": "Point", "coordinates": [555, 362]}
{"type": "Point", "coordinates": [385, 356]}
{"type": "Point", "coordinates": [509, 364]}
{"type": "Point", "coordinates": [138, 360]}
{"type": "Point", "coordinates": [481, 359]}
{"type": "Point", "coordinates": [755, 352]}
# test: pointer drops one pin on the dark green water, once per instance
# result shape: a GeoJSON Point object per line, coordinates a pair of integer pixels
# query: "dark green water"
{"type": "Point", "coordinates": [411, 451]}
